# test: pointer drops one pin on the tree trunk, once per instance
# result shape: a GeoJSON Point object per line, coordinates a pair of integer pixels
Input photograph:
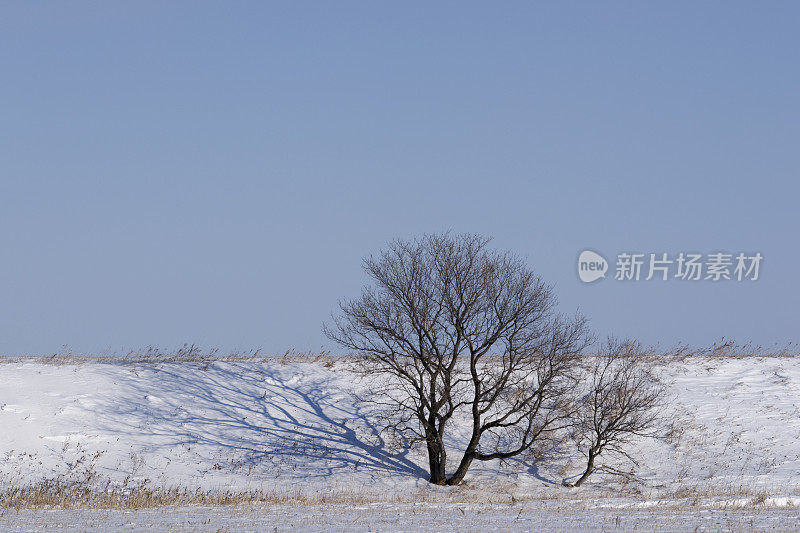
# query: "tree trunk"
{"type": "Point", "coordinates": [461, 471]}
{"type": "Point", "coordinates": [469, 453]}
{"type": "Point", "coordinates": [437, 461]}
{"type": "Point", "coordinates": [588, 472]}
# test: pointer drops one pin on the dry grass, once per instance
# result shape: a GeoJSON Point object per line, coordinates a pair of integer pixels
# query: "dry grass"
{"type": "Point", "coordinates": [728, 349]}
{"type": "Point", "coordinates": [188, 353]}
{"type": "Point", "coordinates": [57, 494]}
{"type": "Point", "coordinates": [192, 353]}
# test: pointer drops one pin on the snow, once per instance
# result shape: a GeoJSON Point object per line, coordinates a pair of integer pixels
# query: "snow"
{"type": "Point", "coordinates": [405, 517]}
{"type": "Point", "coordinates": [239, 426]}
{"type": "Point", "coordinates": [297, 428]}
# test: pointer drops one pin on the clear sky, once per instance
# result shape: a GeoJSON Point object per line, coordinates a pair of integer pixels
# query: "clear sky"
{"type": "Point", "coordinates": [214, 172]}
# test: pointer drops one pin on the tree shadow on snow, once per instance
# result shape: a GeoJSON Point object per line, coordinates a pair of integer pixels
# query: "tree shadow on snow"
{"type": "Point", "coordinates": [256, 416]}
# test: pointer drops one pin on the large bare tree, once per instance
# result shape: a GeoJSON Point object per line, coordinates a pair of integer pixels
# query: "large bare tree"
{"type": "Point", "coordinates": [453, 329]}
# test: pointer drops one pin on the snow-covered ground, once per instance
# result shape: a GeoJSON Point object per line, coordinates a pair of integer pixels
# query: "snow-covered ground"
{"type": "Point", "coordinates": [401, 517]}
{"type": "Point", "coordinates": [297, 429]}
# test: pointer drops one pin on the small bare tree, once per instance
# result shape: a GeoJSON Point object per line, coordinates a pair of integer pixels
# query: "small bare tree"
{"type": "Point", "coordinates": [623, 402]}
{"type": "Point", "coordinates": [457, 330]}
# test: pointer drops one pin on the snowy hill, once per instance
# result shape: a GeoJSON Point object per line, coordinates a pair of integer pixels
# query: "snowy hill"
{"type": "Point", "coordinates": [296, 428]}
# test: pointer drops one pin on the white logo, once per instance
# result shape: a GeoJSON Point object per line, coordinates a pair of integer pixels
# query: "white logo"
{"type": "Point", "coordinates": [591, 266]}
{"type": "Point", "coordinates": [663, 266]}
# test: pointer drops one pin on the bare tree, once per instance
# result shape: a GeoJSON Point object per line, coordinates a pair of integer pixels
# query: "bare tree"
{"type": "Point", "coordinates": [621, 404]}
{"type": "Point", "coordinates": [457, 330]}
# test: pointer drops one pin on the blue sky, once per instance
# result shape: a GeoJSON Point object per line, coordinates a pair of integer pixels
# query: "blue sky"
{"type": "Point", "coordinates": [214, 172]}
